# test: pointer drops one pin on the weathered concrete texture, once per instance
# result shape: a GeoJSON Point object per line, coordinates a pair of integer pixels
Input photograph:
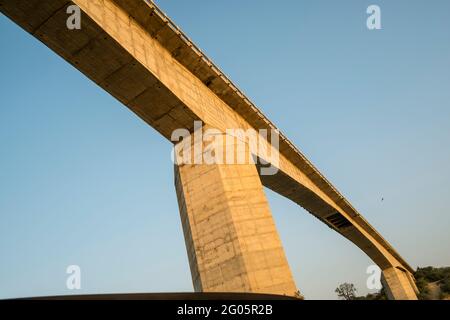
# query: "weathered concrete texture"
{"type": "Point", "coordinates": [230, 235]}
{"type": "Point", "coordinates": [399, 284]}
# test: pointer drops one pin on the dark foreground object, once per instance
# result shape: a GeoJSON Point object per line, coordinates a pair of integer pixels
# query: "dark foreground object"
{"type": "Point", "coordinates": [188, 296]}
{"type": "Point", "coordinates": [206, 306]}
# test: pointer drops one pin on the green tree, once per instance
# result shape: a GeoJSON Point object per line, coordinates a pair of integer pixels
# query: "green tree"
{"type": "Point", "coordinates": [445, 285]}
{"type": "Point", "coordinates": [425, 276]}
{"type": "Point", "coordinates": [346, 291]}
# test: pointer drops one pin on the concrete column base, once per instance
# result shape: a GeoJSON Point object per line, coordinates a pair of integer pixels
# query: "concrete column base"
{"type": "Point", "coordinates": [399, 284]}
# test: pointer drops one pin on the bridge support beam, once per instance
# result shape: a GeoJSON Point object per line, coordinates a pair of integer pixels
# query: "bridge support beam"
{"type": "Point", "coordinates": [230, 235]}
{"type": "Point", "coordinates": [399, 284]}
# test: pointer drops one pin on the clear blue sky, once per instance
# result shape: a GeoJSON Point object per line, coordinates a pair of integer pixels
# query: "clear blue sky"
{"type": "Point", "coordinates": [84, 181]}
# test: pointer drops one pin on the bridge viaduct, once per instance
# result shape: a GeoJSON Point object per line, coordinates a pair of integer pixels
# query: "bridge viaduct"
{"type": "Point", "coordinates": [132, 50]}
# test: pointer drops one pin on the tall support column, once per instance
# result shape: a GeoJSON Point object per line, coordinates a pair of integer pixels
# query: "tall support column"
{"type": "Point", "coordinates": [231, 239]}
{"type": "Point", "coordinates": [399, 284]}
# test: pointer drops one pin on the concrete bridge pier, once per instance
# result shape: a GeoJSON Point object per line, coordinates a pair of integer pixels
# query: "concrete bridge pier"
{"type": "Point", "coordinates": [399, 284]}
{"type": "Point", "coordinates": [231, 239]}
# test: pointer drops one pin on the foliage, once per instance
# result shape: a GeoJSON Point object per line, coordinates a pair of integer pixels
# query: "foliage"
{"type": "Point", "coordinates": [427, 275]}
{"type": "Point", "coordinates": [381, 295]}
{"type": "Point", "coordinates": [424, 276]}
{"type": "Point", "coordinates": [422, 285]}
{"type": "Point", "coordinates": [445, 287]}
{"type": "Point", "coordinates": [431, 274]}
{"type": "Point", "coordinates": [346, 291]}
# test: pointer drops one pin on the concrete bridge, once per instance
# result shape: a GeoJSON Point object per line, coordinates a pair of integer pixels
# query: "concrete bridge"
{"type": "Point", "coordinates": [137, 54]}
